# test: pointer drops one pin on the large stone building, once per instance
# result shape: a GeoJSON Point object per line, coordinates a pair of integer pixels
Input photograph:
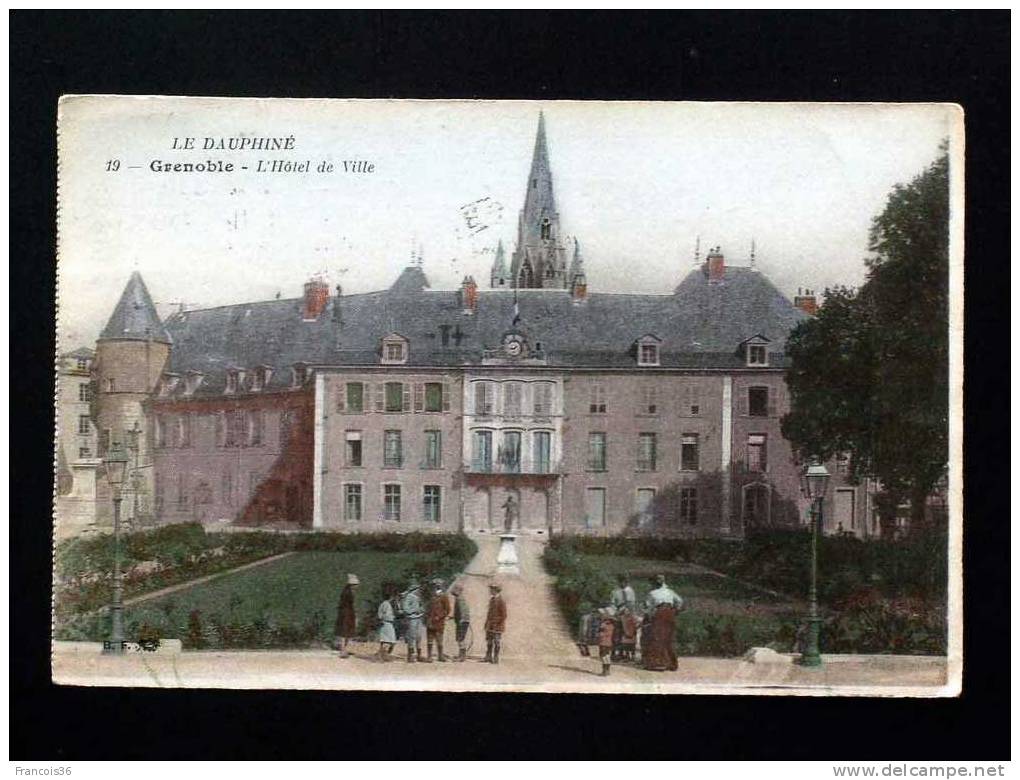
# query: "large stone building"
{"type": "Point", "coordinates": [413, 408]}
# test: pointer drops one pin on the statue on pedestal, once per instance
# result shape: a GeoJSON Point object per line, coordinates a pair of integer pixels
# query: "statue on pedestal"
{"type": "Point", "coordinates": [510, 515]}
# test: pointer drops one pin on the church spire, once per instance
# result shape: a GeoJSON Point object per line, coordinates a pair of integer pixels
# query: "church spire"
{"type": "Point", "coordinates": [538, 227]}
{"type": "Point", "coordinates": [498, 275]}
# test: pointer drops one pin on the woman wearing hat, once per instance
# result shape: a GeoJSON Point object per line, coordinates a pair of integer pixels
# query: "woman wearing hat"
{"type": "Point", "coordinates": [346, 616]}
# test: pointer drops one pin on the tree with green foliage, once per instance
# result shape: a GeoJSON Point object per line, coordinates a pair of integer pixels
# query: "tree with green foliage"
{"type": "Point", "coordinates": [869, 374]}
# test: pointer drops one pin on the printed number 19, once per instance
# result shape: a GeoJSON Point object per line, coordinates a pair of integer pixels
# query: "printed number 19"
{"type": "Point", "coordinates": [113, 165]}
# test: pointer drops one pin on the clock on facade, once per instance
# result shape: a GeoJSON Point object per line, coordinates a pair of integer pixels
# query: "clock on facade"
{"type": "Point", "coordinates": [514, 345]}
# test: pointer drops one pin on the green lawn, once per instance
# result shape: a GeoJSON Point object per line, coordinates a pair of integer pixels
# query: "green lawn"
{"type": "Point", "coordinates": [721, 616]}
{"type": "Point", "coordinates": [289, 602]}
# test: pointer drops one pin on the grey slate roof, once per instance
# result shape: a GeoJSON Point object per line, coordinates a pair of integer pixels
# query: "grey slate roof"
{"type": "Point", "coordinates": [701, 325]}
{"type": "Point", "coordinates": [134, 318]}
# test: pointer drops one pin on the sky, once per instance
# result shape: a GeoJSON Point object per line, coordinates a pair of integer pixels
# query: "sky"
{"type": "Point", "coordinates": [638, 184]}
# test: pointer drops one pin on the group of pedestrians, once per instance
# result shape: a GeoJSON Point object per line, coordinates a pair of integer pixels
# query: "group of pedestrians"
{"type": "Point", "coordinates": [420, 613]}
{"type": "Point", "coordinates": [620, 629]}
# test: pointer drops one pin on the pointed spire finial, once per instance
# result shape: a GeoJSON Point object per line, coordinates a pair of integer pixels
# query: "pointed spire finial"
{"type": "Point", "coordinates": [752, 253]}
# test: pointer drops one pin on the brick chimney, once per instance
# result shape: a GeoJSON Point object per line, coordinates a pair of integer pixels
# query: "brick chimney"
{"type": "Point", "coordinates": [715, 266]}
{"type": "Point", "coordinates": [469, 295]}
{"type": "Point", "coordinates": [316, 298]}
{"type": "Point", "coordinates": [805, 301]}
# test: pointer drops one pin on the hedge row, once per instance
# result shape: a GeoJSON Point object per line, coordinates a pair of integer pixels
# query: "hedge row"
{"type": "Point", "coordinates": [174, 554]}
{"type": "Point", "coordinates": [915, 569]}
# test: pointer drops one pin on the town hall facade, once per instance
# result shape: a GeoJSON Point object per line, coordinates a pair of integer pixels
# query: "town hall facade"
{"type": "Point", "coordinates": [419, 409]}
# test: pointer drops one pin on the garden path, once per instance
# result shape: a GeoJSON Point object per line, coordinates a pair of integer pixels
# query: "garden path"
{"type": "Point", "coordinates": [535, 627]}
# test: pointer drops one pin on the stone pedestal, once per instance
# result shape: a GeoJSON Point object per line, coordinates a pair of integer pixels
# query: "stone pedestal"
{"type": "Point", "coordinates": [507, 561]}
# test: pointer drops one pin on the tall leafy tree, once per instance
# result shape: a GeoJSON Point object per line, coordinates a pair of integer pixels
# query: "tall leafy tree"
{"type": "Point", "coordinates": [870, 373]}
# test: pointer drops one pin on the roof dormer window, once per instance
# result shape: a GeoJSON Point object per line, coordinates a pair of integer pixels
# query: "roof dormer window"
{"type": "Point", "coordinates": [394, 349]}
{"type": "Point", "coordinates": [192, 382]}
{"type": "Point", "coordinates": [648, 350]}
{"type": "Point", "coordinates": [233, 380]}
{"type": "Point", "coordinates": [299, 374]}
{"type": "Point", "coordinates": [168, 384]}
{"type": "Point", "coordinates": [756, 351]}
{"type": "Point", "coordinates": [261, 378]}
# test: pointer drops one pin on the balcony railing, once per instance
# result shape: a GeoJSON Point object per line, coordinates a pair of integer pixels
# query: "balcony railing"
{"type": "Point", "coordinates": [482, 467]}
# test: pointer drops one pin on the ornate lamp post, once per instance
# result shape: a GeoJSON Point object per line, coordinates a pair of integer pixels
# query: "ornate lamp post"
{"type": "Point", "coordinates": [814, 483]}
{"type": "Point", "coordinates": [134, 435]}
{"type": "Point", "coordinates": [116, 462]}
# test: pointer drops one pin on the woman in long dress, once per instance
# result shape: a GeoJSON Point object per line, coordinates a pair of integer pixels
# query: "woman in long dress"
{"type": "Point", "coordinates": [661, 606]}
{"type": "Point", "coordinates": [387, 632]}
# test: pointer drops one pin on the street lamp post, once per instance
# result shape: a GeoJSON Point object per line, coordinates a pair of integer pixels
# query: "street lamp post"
{"type": "Point", "coordinates": [814, 482]}
{"type": "Point", "coordinates": [116, 462]}
{"type": "Point", "coordinates": [134, 436]}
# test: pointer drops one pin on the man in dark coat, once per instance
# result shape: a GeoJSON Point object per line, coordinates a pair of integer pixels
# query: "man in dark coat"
{"type": "Point", "coordinates": [495, 624]}
{"type": "Point", "coordinates": [435, 620]}
{"type": "Point", "coordinates": [346, 616]}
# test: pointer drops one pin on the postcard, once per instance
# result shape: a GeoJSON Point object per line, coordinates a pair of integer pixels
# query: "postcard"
{"type": "Point", "coordinates": [558, 396]}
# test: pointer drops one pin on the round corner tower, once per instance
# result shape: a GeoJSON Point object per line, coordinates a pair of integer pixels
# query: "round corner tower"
{"type": "Point", "coordinates": [131, 355]}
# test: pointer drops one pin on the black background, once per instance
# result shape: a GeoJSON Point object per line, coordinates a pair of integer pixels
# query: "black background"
{"type": "Point", "coordinates": [832, 56]}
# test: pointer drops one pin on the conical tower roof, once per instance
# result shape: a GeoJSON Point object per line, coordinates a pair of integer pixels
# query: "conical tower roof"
{"type": "Point", "coordinates": [135, 318]}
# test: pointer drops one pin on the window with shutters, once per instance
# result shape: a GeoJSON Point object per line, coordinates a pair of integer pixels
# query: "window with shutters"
{"type": "Point", "coordinates": [512, 396]}
{"type": "Point", "coordinates": [647, 454]}
{"type": "Point", "coordinates": [543, 399]}
{"type": "Point", "coordinates": [433, 503]}
{"type": "Point", "coordinates": [689, 456]}
{"type": "Point", "coordinates": [597, 398]}
{"type": "Point", "coordinates": [644, 506]}
{"type": "Point", "coordinates": [597, 451]}
{"type": "Point", "coordinates": [510, 452]}
{"type": "Point", "coordinates": [394, 397]}
{"type": "Point", "coordinates": [481, 451]}
{"type": "Point", "coordinates": [299, 374]}
{"type": "Point", "coordinates": [391, 503]}
{"type": "Point", "coordinates": [758, 401]}
{"type": "Point", "coordinates": [393, 449]}
{"type": "Point", "coordinates": [353, 445]}
{"type": "Point", "coordinates": [184, 430]}
{"type": "Point", "coordinates": [352, 501]}
{"type": "Point", "coordinates": [85, 392]}
{"type": "Point", "coordinates": [433, 450]}
{"type": "Point", "coordinates": [352, 397]}
{"type": "Point", "coordinates": [255, 426]}
{"type": "Point", "coordinates": [83, 364]}
{"type": "Point", "coordinates": [84, 424]}
{"type": "Point", "coordinates": [690, 405]}
{"type": "Point", "coordinates": [649, 400]}
{"type": "Point", "coordinates": [433, 396]}
{"type": "Point", "coordinates": [757, 452]}
{"type": "Point", "coordinates": [689, 506]}
{"type": "Point", "coordinates": [542, 451]}
{"type": "Point", "coordinates": [485, 395]}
